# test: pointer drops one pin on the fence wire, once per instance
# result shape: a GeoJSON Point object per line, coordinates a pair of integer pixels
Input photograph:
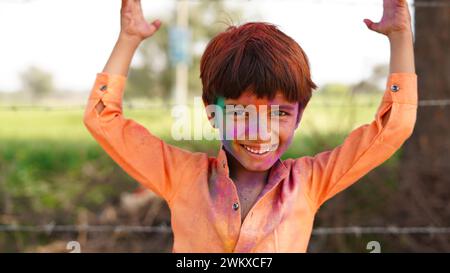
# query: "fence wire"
{"type": "Point", "coordinates": [131, 106]}
{"type": "Point", "coordinates": [351, 230]}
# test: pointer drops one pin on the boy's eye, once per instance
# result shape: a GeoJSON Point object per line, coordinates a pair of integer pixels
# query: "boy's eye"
{"type": "Point", "coordinates": [239, 113]}
{"type": "Point", "coordinates": [279, 113]}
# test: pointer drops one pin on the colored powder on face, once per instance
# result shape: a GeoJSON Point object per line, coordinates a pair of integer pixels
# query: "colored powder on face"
{"type": "Point", "coordinates": [221, 102]}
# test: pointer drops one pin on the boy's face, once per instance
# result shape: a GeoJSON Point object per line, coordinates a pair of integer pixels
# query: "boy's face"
{"type": "Point", "coordinates": [261, 152]}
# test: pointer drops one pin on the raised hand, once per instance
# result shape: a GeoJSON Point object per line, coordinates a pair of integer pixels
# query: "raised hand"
{"type": "Point", "coordinates": [396, 18]}
{"type": "Point", "coordinates": [132, 22]}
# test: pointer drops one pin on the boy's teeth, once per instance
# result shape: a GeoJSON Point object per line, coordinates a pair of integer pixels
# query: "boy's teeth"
{"type": "Point", "coordinates": [261, 151]}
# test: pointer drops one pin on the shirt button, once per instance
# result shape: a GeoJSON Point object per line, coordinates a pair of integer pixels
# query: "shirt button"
{"type": "Point", "coordinates": [103, 88]}
{"type": "Point", "coordinates": [395, 88]}
{"type": "Point", "coordinates": [236, 206]}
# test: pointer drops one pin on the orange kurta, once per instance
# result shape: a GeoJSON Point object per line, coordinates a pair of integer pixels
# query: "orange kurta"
{"type": "Point", "coordinates": [200, 194]}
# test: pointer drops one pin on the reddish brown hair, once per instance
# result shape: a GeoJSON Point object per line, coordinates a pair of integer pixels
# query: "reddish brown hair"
{"type": "Point", "coordinates": [256, 56]}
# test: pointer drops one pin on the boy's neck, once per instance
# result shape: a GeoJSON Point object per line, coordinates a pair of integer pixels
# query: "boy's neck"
{"type": "Point", "coordinates": [240, 175]}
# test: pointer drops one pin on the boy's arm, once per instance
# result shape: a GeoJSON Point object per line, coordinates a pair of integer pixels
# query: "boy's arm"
{"type": "Point", "coordinates": [371, 144]}
{"type": "Point", "coordinates": [396, 25]}
{"type": "Point", "coordinates": [152, 162]}
{"type": "Point", "coordinates": [133, 30]}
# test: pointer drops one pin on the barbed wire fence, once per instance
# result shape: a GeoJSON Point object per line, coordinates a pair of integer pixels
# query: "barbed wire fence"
{"type": "Point", "coordinates": [350, 230]}
{"type": "Point", "coordinates": [132, 106]}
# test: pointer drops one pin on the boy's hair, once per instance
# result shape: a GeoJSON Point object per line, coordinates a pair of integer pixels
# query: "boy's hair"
{"type": "Point", "coordinates": [256, 56]}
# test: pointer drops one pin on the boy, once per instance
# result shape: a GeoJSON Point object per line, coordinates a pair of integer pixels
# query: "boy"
{"type": "Point", "coordinates": [246, 199]}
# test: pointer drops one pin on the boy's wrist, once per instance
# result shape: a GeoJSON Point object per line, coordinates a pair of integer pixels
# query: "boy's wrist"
{"type": "Point", "coordinates": [402, 52]}
{"type": "Point", "coordinates": [132, 41]}
{"type": "Point", "coordinates": [400, 36]}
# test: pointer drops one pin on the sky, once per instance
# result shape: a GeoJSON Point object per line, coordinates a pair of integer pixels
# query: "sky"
{"type": "Point", "coordinates": [72, 39]}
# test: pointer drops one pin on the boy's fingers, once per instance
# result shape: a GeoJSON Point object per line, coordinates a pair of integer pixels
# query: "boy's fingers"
{"type": "Point", "coordinates": [155, 25]}
{"type": "Point", "coordinates": [139, 5]}
{"type": "Point", "coordinates": [125, 6]}
{"type": "Point", "coordinates": [125, 3]}
{"type": "Point", "coordinates": [371, 25]}
{"type": "Point", "coordinates": [401, 3]}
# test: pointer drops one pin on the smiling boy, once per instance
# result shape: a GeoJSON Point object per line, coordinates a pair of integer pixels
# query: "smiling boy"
{"type": "Point", "coordinates": [246, 199]}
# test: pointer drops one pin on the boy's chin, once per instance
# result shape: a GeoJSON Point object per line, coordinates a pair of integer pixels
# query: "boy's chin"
{"type": "Point", "coordinates": [257, 166]}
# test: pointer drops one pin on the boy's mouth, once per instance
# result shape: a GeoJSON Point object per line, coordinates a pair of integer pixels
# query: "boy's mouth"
{"type": "Point", "coordinates": [260, 149]}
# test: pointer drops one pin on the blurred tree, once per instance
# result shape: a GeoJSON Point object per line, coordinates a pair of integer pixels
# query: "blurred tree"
{"type": "Point", "coordinates": [37, 82]}
{"type": "Point", "coordinates": [375, 82]}
{"type": "Point", "coordinates": [425, 165]}
{"type": "Point", "coordinates": [154, 76]}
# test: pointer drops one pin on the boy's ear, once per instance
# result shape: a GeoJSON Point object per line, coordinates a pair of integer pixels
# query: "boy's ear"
{"type": "Point", "coordinates": [219, 105]}
{"type": "Point", "coordinates": [209, 116]}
